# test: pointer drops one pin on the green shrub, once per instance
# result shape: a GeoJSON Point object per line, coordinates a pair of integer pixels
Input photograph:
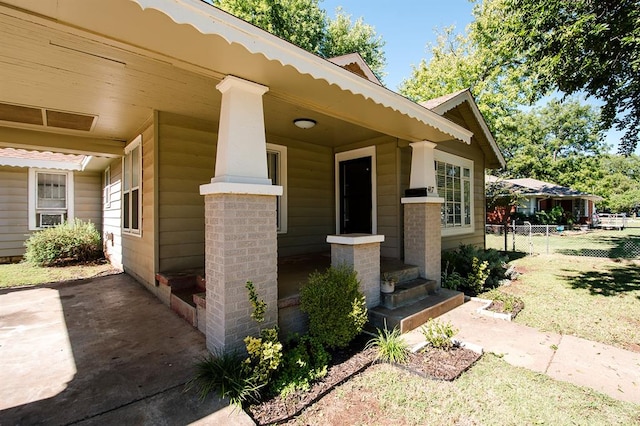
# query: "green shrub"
{"type": "Point", "coordinates": [69, 242]}
{"type": "Point", "coordinates": [472, 270]}
{"type": "Point", "coordinates": [305, 360]}
{"type": "Point", "coordinates": [336, 307]}
{"type": "Point", "coordinates": [265, 352]}
{"type": "Point", "coordinates": [226, 373]}
{"type": "Point", "coordinates": [438, 334]}
{"type": "Point", "coordinates": [242, 379]}
{"type": "Point", "coordinates": [390, 346]}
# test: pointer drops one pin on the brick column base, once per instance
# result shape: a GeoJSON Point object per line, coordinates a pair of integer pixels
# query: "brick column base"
{"type": "Point", "coordinates": [422, 236]}
{"type": "Point", "coordinates": [362, 253]}
{"type": "Point", "coordinates": [241, 246]}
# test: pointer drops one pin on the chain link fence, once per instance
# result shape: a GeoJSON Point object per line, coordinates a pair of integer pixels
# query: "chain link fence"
{"type": "Point", "coordinates": [619, 242]}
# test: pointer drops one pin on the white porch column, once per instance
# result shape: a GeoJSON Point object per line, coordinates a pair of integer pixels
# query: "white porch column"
{"type": "Point", "coordinates": [422, 225]}
{"type": "Point", "coordinates": [423, 172]}
{"type": "Point", "coordinates": [240, 221]}
{"type": "Point", "coordinates": [241, 151]}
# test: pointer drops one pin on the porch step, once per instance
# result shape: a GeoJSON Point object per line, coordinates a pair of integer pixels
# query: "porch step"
{"type": "Point", "coordinates": [407, 292]}
{"type": "Point", "coordinates": [413, 315]}
{"type": "Point", "coordinates": [182, 279]}
{"type": "Point", "coordinates": [183, 303]}
{"type": "Point", "coordinates": [400, 272]}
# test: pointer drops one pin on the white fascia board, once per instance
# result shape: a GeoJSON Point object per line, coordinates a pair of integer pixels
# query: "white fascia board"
{"type": "Point", "coordinates": [466, 96]}
{"type": "Point", "coordinates": [210, 20]}
{"type": "Point", "coordinates": [39, 164]}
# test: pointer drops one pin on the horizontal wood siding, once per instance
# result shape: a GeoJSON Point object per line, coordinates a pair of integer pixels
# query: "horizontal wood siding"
{"type": "Point", "coordinates": [388, 194]}
{"type": "Point", "coordinates": [310, 186]}
{"type": "Point", "coordinates": [88, 197]}
{"type": "Point", "coordinates": [472, 152]}
{"type": "Point", "coordinates": [138, 252]}
{"type": "Point", "coordinates": [186, 157]}
{"type": "Point", "coordinates": [14, 215]}
{"type": "Point", "coordinates": [112, 216]}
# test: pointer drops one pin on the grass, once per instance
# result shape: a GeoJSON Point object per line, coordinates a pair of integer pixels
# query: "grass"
{"type": "Point", "coordinates": [596, 299]}
{"type": "Point", "coordinates": [491, 392]}
{"type": "Point", "coordinates": [25, 274]}
{"type": "Point", "coordinates": [595, 243]}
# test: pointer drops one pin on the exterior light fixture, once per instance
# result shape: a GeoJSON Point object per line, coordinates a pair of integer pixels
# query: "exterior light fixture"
{"type": "Point", "coordinates": [304, 123]}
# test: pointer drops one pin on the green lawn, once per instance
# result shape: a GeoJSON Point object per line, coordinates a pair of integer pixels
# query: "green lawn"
{"type": "Point", "coordinates": [593, 298]}
{"type": "Point", "coordinates": [491, 393]}
{"type": "Point", "coordinates": [24, 274]}
{"type": "Point", "coordinates": [594, 243]}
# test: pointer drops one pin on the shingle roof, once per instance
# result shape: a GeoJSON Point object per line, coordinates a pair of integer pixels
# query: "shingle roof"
{"type": "Point", "coordinates": [528, 186]}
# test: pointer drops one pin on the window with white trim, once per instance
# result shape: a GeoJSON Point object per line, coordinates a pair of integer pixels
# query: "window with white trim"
{"type": "Point", "coordinates": [454, 176]}
{"type": "Point", "coordinates": [132, 188]}
{"type": "Point", "coordinates": [277, 172]}
{"type": "Point", "coordinates": [50, 198]}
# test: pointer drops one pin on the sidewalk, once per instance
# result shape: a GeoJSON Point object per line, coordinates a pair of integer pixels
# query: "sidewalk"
{"type": "Point", "coordinates": [607, 369]}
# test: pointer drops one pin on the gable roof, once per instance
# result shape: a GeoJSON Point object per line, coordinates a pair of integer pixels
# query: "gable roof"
{"type": "Point", "coordinates": [538, 188]}
{"type": "Point", "coordinates": [356, 64]}
{"type": "Point", "coordinates": [445, 103]}
{"type": "Point", "coordinates": [129, 58]}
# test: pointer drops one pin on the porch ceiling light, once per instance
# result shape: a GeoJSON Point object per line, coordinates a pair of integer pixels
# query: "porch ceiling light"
{"type": "Point", "coordinates": [304, 123]}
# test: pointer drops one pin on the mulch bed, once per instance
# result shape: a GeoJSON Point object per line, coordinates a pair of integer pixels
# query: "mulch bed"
{"type": "Point", "coordinates": [498, 306]}
{"type": "Point", "coordinates": [430, 363]}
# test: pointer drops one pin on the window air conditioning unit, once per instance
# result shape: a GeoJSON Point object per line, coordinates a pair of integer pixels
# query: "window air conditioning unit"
{"type": "Point", "coordinates": [47, 220]}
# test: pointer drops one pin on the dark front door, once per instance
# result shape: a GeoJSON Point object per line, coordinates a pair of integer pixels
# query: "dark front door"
{"type": "Point", "coordinates": [355, 196]}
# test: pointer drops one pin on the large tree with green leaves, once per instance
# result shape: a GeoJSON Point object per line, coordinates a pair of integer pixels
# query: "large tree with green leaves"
{"type": "Point", "coordinates": [305, 24]}
{"type": "Point", "coordinates": [301, 22]}
{"type": "Point", "coordinates": [590, 46]}
{"type": "Point", "coordinates": [344, 36]}
{"type": "Point", "coordinates": [552, 142]}
{"type": "Point", "coordinates": [456, 62]}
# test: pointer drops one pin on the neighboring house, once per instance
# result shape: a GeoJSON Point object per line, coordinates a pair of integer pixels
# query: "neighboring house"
{"type": "Point", "coordinates": [540, 196]}
{"type": "Point", "coordinates": [42, 189]}
{"type": "Point", "coordinates": [230, 148]}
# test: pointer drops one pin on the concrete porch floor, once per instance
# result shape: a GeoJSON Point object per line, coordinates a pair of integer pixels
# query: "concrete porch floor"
{"type": "Point", "coordinates": [293, 271]}
{"type": "Point", "coordinates": [101, 351]}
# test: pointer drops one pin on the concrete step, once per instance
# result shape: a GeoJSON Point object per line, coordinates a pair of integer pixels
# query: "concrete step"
{"type": "Point", "coordinates": [413, 315]}
{"type": "Point", "coordinates": [400, 273]}
{"type": "Point", "coordinates": [408, 292]}
{"type": "Point", "coordinates": [180, 279]}
{"type": "Point", "coordinates": [182, 303]}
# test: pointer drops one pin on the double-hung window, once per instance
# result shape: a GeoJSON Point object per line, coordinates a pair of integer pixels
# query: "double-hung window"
{"type": "Point", "coordinates": [50, 198]}
{"type": "Point", "coordinates": [454, 176]}
{"type": "Point", "coordinates": [132, 188]}
{"type": "Point", "coordinates": [277, 172]}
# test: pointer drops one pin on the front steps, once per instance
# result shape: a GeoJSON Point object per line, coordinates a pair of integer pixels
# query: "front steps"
{"type": "Point", "coordinates": [187, 295]}
{"type": "Point", "coordinates": [414, 301]}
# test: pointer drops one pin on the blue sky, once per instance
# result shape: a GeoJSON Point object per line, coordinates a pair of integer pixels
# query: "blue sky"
{"type": "Point", "coordinates": [406, 26]}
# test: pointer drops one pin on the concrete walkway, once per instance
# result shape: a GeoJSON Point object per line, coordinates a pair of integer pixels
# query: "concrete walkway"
{"type": "Point", "coordinates": [607, 369]}
{"type": "Point", "coordinates": [101, 351]}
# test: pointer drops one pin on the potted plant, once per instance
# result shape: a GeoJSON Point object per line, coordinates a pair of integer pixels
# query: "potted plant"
{"type": "Point", "coordinates": [388, 283]}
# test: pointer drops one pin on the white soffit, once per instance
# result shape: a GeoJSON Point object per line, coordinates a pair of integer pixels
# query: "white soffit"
{"type": "Point", "coordinates": [207, 19]}
{"type": "Point", "coordinates": [98, 17]}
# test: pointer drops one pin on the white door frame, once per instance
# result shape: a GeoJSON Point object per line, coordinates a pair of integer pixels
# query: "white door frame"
{"type": "Point", "coordinates": [369, 151]}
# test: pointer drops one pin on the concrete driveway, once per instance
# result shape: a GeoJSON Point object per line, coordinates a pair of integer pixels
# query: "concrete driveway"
{"type": "Point", "coordinates": [101, 351]}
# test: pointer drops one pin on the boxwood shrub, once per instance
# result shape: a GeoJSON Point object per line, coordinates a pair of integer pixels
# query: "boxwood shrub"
{"type": "Point", "coordinates": [70, 242]}
{"type": "Point", "coordinates": [335, 305]}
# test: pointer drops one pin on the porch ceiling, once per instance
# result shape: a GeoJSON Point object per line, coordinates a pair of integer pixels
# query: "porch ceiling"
{"type": "Point", "coordinates": [122, 70]}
